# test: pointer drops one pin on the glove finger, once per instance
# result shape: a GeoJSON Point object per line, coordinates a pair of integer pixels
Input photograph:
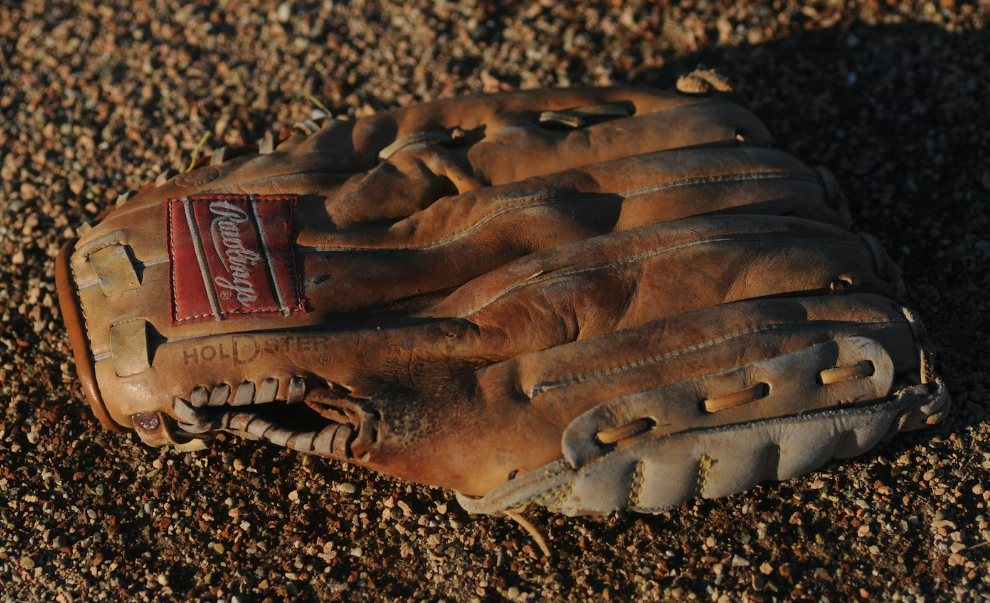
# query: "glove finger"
{"type": "Point", "coordinates": [318, 392]}
{"type": "Point", "coordinates": [461, 237]}
{"type": "Point", "coordinates": [615, 195]}
{"type": "Point", "coordinates": [498, 129]}
{"type": "Point", "coordinates": [620, 279]}
{"type": "Point", "coordinates": [342, 162]}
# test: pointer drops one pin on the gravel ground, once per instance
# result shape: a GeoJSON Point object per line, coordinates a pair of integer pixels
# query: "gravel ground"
{"type": "Point", "coordinates": [97, 98]}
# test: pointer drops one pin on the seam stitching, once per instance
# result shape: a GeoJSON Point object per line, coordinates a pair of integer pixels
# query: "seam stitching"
{"type": "Point", "coordinates": [526, 200]}
{"type": "Point", "coordinates": [704, 467]}
{"type": "Point", "coordinates": [636, 485]}
{"type": "Point", "coordinates": [560, 274]}
{"type": "Point", "coordinates": [542, 387]}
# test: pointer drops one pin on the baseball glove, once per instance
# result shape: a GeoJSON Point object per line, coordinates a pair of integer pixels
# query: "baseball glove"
{"type": "Point", "coordinates": [588, 299]}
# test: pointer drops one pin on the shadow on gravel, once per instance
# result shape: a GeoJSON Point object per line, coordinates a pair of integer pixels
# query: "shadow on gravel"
{"type": "Point", "coordinates": [900, 115]}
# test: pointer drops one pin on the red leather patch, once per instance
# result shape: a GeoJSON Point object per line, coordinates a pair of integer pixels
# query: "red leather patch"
{"type": "Point", "coordinates": [232, 256]}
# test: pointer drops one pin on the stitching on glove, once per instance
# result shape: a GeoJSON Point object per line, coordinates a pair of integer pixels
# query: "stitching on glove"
{"type": "Point", "coordinates": [704, 467]}
{"type": "Point", "coordinates": [561, 274]}
{"type": "Point", "coordinates": [560, 497]}
{"type": "Point", "coordinates": [547, 497]}
{"type": "Point", "coordinates": [831, 416]}
{"type": "Point", "coordinates": [447, 138]}
{"type": "Point", "coordinates": [636, 485]}
{"type": "Point", "coordinates": [171, 259]}
{"type": "Point", "coordinates": [138, 266]}
{"type": "Point", "coordinates": [527, 200]}
{"type": "Point", "coordinates": [110, 243]}
{"type": "Point", "coordinates": [545, 386]}
{"type": "Point", "coordinates": [127, 320]}
{"type": "Point", "coordinates": [704, 81]}
{"type": "Point", "coordinates": [82, 309]}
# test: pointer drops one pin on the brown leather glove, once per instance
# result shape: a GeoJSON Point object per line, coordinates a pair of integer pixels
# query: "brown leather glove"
{"type": "Point", "coordinates": [589, 299]}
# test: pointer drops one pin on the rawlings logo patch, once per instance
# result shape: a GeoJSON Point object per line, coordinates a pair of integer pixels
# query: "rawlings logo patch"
{"type": "Point", "coordinates": [232, 256]}
{"type": "Point", "coordinates": [237, 260]}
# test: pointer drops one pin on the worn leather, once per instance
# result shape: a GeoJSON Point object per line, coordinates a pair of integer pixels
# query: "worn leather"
{"type": "Point", "coordinates": [462, 280]}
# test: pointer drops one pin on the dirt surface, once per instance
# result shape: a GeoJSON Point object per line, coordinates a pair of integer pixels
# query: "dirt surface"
{"type": "Point", "coordinates": [97, 98]}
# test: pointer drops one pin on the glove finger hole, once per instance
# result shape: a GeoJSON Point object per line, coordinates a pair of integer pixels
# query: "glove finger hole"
{"type": "Point", "coordinates": [750, 394]}
{"type": "Point", "coordinates": [859, 370]}
{"type": "Point", "coordinates": [625, 432]}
